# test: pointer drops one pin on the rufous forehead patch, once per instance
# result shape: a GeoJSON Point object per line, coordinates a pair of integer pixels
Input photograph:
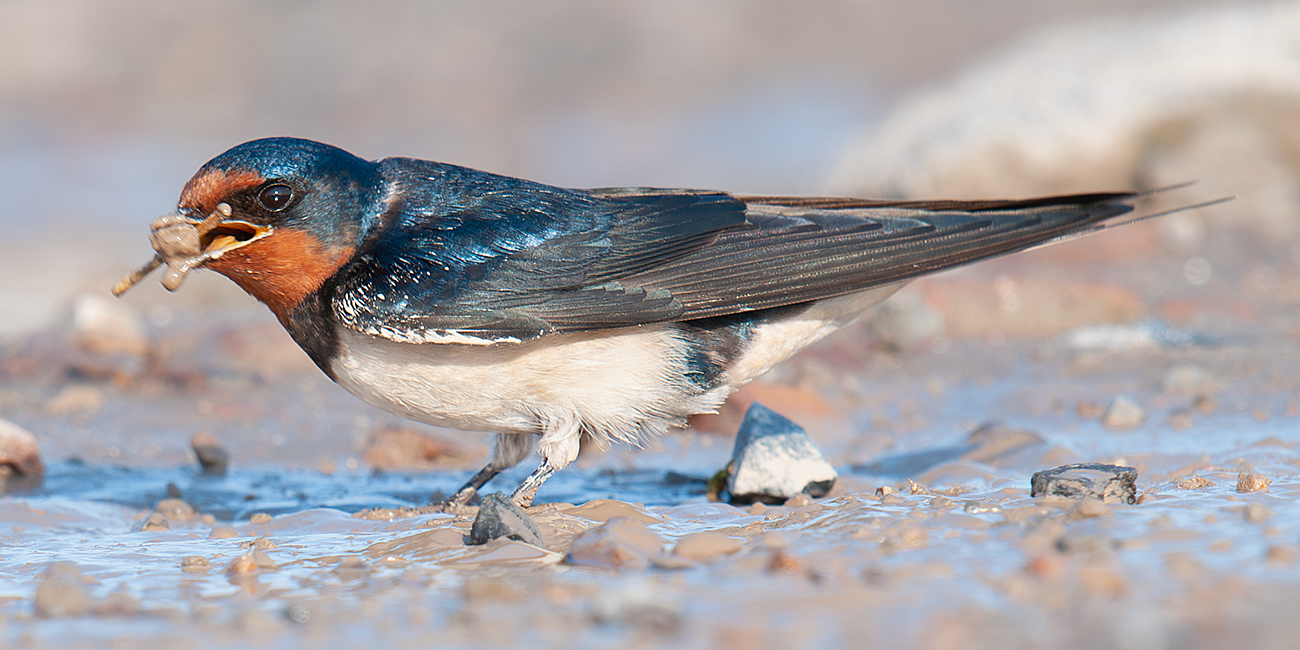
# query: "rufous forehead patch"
{"type": "Point", "coordinates": [206, 189]}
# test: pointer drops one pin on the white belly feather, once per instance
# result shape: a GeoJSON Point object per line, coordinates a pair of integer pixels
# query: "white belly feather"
{"type": "Point", "coordinates": [615, 384]}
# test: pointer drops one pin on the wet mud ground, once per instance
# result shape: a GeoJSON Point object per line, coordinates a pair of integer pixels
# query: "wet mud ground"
{"type": "Point", "coordinates": [930, 539]}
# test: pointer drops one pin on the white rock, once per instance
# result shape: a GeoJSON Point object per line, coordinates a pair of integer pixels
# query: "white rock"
{"type": "Point", "coordinates": [774, 459]}
{"type": "Point", "coordinates": [1078, 107]}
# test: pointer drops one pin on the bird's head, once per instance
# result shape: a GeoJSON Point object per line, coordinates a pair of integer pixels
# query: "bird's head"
{"type": "Point", "coordinates": [278, 216]}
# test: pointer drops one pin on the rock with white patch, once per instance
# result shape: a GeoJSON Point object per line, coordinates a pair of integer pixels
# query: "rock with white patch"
{"type": "Point", "coordinates": [1105, 483]}
{"type": "Point", "coordinates": [774, 460]}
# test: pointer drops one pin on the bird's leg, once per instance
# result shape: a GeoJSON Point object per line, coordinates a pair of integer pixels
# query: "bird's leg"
{"type": "Point", "coordinates": [463, 495]}
{"type": "Point", "coordinates": [523, 495]}
{"type": "Point", "coordinates": [509, 449]}
{"type": "Point", "coordinates": [558, 447]}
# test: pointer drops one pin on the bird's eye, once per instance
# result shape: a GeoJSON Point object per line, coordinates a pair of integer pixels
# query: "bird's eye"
{"type": "Point", "coordinates": [275, 197]}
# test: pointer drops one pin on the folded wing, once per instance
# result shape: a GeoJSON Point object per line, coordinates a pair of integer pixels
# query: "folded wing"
{"type": "Point", "coordinates": [510, 261]}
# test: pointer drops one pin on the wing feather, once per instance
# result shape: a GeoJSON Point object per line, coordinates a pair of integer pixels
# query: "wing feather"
{"type": "Point", "coordinates": [468, 257]}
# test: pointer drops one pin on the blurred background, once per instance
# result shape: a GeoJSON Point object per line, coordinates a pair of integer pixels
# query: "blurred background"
{"type": "Point", "coordinates": [107, 107]}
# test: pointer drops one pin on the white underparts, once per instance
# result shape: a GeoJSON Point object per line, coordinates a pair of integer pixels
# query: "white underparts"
{"type": "Point", "coordinates": [613, 385]}
{"type": "Point", "coordinates": [622, 384]}
{"type": "Point", "coordinates": [772, 343]}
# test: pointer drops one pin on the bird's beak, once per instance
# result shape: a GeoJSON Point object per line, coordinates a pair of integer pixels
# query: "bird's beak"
{"type": "Point", "coordinates": [228, 235]}
{"type": "Point", "coordinates": [184, 243]}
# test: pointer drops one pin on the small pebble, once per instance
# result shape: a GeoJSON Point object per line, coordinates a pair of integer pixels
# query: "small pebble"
{"type": "Point", "coordinates": [261, 544]}
{"type": "Point", "coordinates": [195, 564]}
{"type": "Point", "coordinates": [1252, 482]}
{"type": "Point", "coordinates": [1180, 420]}
{"type": "Point", "coordinates": [773, 540]}
{"type": "Point", "coordinates": [1090, 410]}
{"type": "Point", "coordinates": [76, 400]}
{"type": "Point", "coordinates": [1088, 508]}
{"type": "Point", "coordinates": [980, 507]}
{"type": "Point", "coordinates": [621, 542]}
{"type": "Point", "coordinates": [941, 501]}
{"type": "Point", "coordinates": [117, 603]}
{"type": "Point", "coordinates": [398, 448]}
{"type": "Point", "coordinates": [782, 562]}
{"type": "Point", "coordinates": [1205, 404]}
{"type": "Point", "coordinates": [885, 490]}
{"type": "Point", "coordinates": [242, 565]}
{"type": "Point", "coordinates": [1123, 413]}
{"type": "Point", "coordinates": [299, 613]}
{"type": "Point", "coordinates": [253, 561]}
{"type": "Point", "coordinates": [1046, 566]}
{"type": "Point", "coordinates": [1187, 379]}
{"type": "Point", "coordinates": [175, 509]}
{"type": "Point", "coordinates": [352, 567]}
{"type": "Point", "coordinates": [1280, 554]}
{"type": "Point", "coordinates": [213, 457]}
{"type": "Point", "coordinates": [641, 605]}
{"type": "Point", "coordinates": [798, 501]}
{"type": "Point", "coordinates": [703, 547]}
{"type": "Point", "coordinates": [259, 518]}
{"type": "Point", "coordinates": [62, 592]}
{"type": "Point", "coordinates": [1102, 582]}
{"type": "Point", "coordinates": [154, 522]}
{"type": "Point", "coordinates": [1257, 512]}
{"type": "Point", "coordinates": [223, 532]}
{"type": "Point", "coordinates": [1193, 483]}
{"type": "Point", "coordinates": [19, 450]}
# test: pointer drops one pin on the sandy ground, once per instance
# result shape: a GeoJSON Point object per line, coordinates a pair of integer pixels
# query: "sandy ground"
{"type": "Point", "coordinates": [936, 410]}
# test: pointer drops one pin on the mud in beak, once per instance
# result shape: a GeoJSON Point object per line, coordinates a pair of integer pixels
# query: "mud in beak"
{"type": "Point", "coordinates": [183, 243]}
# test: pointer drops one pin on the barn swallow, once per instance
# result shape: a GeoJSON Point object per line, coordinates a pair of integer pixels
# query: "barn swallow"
{"type": "Point", "coordinates": [465, 299]}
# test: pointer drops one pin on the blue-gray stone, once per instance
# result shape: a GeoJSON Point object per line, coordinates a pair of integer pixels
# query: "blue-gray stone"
{"type": "Point", "coordinates": [499, 516]}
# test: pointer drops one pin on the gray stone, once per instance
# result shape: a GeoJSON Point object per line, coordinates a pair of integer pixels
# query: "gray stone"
{"type": "Point", "coordinates": [499, 516]}
{"type": "Point", "coordinates": [774, 460]}
{"type": "Point", "coordinates": [1105, 483]}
